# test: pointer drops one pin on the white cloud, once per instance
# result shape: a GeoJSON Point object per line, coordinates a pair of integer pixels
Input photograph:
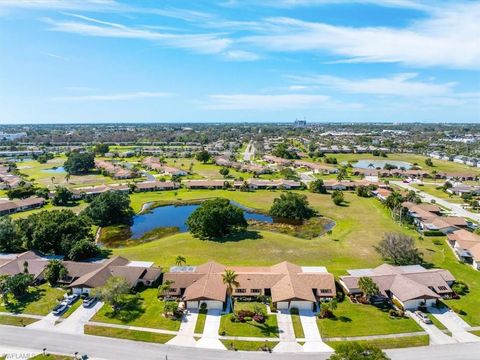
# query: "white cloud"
{"type": "Point", "coordinates": [409, 4]}
{"type": "Point", "coordinates": [240, 55]}
{"type": "Point", "coordinates": [114, 97]}
{"type": "Point", "coordinates": [61, 4]}
{"type": "Point", "coordinates": [399, 85]}
{"type": "Point", "coordinates": [201, 43]}
{"type": "Point", "coordinates": [448, 38]}
{"type": "Point", "coordinates": [275, 102]}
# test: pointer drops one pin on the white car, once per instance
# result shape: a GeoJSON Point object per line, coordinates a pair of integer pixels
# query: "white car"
{"type": "Point", "coordinates": [423, 317]}
{"type": "Point", "coordinates": [70, 299]}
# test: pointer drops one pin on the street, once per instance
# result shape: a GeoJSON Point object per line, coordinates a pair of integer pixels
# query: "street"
{"type": "Point", "coordinates": [34, 340]}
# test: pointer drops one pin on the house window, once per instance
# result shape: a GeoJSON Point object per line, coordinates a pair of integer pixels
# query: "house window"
{"type": "Point", "coordinates": [325, 291]}
{"type": "Point", "coordinates": [172, 290]}
{"type": "Point", "coordinates": [240, 291]}
{"type": "Point", "coordinates": [256, 291]}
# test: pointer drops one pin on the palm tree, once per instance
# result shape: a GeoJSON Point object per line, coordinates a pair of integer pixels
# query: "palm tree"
{"type": "Point", "coordinates": [229, 278]}
{"type": "Point", "coordinates": [180, 260]}
{"type": "Point", "coordinates": [368, 287]}
{"type": "Point", "coordinates": [163, 288]}
{"type": "Point", "coordinates": [67, 177]}
{"type": "Point", "coordinates": [52, 179]}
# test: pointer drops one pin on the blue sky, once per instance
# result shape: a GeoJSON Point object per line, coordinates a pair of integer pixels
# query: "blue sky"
{"type": "Point", "coordinates": [235, 60]}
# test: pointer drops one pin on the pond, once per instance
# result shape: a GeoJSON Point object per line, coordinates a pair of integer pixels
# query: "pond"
{"type": "Point", "coordinates": [55, 170]}
{"type": "Point", "coordinates": [176, 216]}
{"type": "Point", "coordinates": [375, 164]}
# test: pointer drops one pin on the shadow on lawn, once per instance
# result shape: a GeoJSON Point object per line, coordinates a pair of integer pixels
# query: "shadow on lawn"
{"type": "Point", "coordinates": [266, 329]}
{"type": "Point", "coordinates": [17, 306]}
{"type": "Point", "coordinates": [250, 235]}
{"type": "Point", "coordinates": [129, 310]}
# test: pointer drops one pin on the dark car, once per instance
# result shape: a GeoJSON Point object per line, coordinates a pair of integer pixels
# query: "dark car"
{"type": "Point", "coordinates": [60, 308]}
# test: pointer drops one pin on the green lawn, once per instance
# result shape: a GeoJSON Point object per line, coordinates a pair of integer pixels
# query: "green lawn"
{"type": "Point", "coordinates": [147, 311]}
{"type": "Point", "coordinates": [128, 334]}
{"type": "Point", "coordinates": [51, 357]}
{"type": "Point", "coordinates": [200, 324]}
{"type": "Point", "coordinates": [297, 326]}
{"type": "Point", "coordinates": [390, 343]}
{"type": "Point", "coordinates": [39, 301]}
{"type": "Point", "coordinates": [249, 328]}
{"type": "Point", "coordinates": [475, 332]}
{"type": "Point", "coordinates": [432, 190]}
{"type": "Point", "coordinates": [16, 320]}
{"type": "Point", "coordinates": [362, 320]}
{"type": "Point", "coordinates": [241, 345]}
{"type": "Point", "coordinates": [350, 244]}
{"type": "Point", "coordinates": [436, 322]}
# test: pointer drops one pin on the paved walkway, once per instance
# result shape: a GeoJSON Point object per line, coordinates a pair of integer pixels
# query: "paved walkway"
{"type": "Point", "coordinates": [186, 331]}
{"type": "Point", "coordinates": [437, 337]}
{"type": "Point", "coordinates": [210, 338]}
{"type": "Point", "coordinates": [286, 333]}
{"type": "Point", "coordinates": [454, 323]}
{"type": "Point", "coordinates": [74, 324]}
{"type": "Point", "coordinates": [45, 323]}
{"type": "Point", "coordinates": [313, 340]}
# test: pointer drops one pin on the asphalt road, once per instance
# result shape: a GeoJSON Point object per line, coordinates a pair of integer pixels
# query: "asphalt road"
{"type": "Point", "coordinates": [454, 208]}
{"type": "Point", "coordinates": [116, 349]}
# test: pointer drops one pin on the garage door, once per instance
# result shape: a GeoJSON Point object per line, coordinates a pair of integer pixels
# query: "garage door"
{"type": "Point", "coordinates": [301, 305]}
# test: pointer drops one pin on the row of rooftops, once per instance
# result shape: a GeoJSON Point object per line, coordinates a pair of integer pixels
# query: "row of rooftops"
{"type": "Point", "coordinates": [430, 215]}
{"type": "Point", "coordinates": [114, 170]}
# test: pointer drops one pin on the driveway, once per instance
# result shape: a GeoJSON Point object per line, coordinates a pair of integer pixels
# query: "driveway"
{"type": "Point", "coordinates": [313, 339]}
{"type": "Point", "coordinates": [210, 336]}
{"type": "Point", "coordinates": [456, 209]}
{"type": "Point", "coordinates": [454, 323]}
{"type": "Point", "coordinates": [437, 337]}
{"type": "Point", "coordinates": [186, 331]}
{"type": "Point", "coordinates": [74, 324]}
{"type": "Point", "coordinates": [46, 323]}
{"type": "Point", "coordinates": [286, 333]}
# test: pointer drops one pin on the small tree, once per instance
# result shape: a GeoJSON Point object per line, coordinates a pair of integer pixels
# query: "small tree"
{"type": "Point", "coordinates": [342, 173]}
{"type": "Point", "coordinates": [18, 284]}
{"type": "Point", "coordinates": [399, 249]}
{"type": "Point", "coordinates": [180, 260]}
{"type": "Point", "coordinates": [357, 351]}
{"type": "Point", "coordinates": [101, 149]}
{"type": "Point", "coordinates": [110, 208]}
{"type": "Point", "coordinates": [229, 278]}
{"type": "Point", "coordinates": [338, 197]}
{"type": "Point", "coordinates": [429, 162]}
{"type": "Point", "coordinates": [291, 206]}
{"type": "Point", "coordinates": [163, 288]}
{"type": "Point", "coordinates": [203, 156]}
{"type": "Point", "coordinates": [368, 287]}
{"type": "Point", "coordinates": [83, 249]}
{"type": "Point", "coordinates": [4, 287]}
{"type": "Point", "coordinates": [224, 172]}
{"type": "Point", "coordinates": [317, 186]}
{"type": "Point", "coordinates": [62, 196]}
{"type": "Point", "coordinates": [113, 292]}
{"type": "Point", "coordinates": [54, 271]}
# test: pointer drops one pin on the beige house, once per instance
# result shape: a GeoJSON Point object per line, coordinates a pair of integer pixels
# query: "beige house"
{"type": "Point", "coordinates": [407, 286]}
{"type": "Point", "coordinates": [289, 285]}
{"type": "Point", "coordinates": [466, 246]}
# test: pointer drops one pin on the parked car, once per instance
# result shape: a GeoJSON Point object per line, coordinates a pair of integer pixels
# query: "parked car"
{"type": "Point", "coordinates": [60, 308]}
{"type": "Point", "coordinates": [70, 299]}
{"type": "Point", "coordinates": [423, 317]}
{"type": "Point", "coordinates": [89, 301]}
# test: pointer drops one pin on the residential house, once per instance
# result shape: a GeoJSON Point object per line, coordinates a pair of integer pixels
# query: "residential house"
{"type": "Point", "coordinates": [466, 246]}
{"type": "Point", "coordinates": [79, 193]}
{"type": "Point", "coordinates": [406, 286]}
{"type": "Point", "coordinates": [273, 184]}
{"type": "Point", "coordinates": [288, 285]}
{"type": "Point", "coordinates": [12, 206]}
{"type": "Point", "coordinates": [156, 185]}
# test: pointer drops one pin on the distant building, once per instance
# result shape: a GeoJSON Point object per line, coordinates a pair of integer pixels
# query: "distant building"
{"type": "Point", "coordinates": [301, 123]}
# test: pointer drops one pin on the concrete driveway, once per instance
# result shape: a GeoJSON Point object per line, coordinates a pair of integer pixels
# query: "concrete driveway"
{"type": "Point", "coordinates": [313, 339]}
{"type": "Point", "coordinates": [186, 331]}
{"type": "Point", "coordinates": [210, 338]}
{"type": "Point", "coordinates": [46, 323]}
{"type": "Point", "coordinates": [437, 337]}
{"type": "Point", "coordinates": [454, 323]}
{"type": "Point", "coordinates": [74, 324]}
{"type": "Point", "coordinates": [286, 333]}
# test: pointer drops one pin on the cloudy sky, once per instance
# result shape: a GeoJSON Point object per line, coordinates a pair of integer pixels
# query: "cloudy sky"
{"type": "Point", "coordinates": [235, 60]}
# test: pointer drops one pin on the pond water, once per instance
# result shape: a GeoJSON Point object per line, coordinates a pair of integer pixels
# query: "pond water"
{"type": "Point", "coordinates": [177, 215]}
{"type": "Point", "coordinates": [374, 164]}
{"type": "Point", "coordinates": [55, 170]}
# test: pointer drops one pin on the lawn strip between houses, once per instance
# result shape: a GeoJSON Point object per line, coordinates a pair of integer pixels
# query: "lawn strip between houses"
{"type": "Point", "coordinates": [16, 320]}
{"type": "Point", "coordinates": [389, 343]}
{"type": "Point", "coordinates": [127, 334]}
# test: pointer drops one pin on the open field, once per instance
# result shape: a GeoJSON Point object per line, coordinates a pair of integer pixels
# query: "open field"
{"type": "Point", "coordinates": [362, 320]}
{"type": "Point", "coordinates": [127, 334]}
{"type": "Point", "coordinates": [39, 301]}
{"type": "Point", "coordinates": [389, 343]}
{"type": "Point", "coordinates": [144, 311]}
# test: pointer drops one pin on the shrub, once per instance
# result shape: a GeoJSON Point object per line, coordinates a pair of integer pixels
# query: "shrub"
{"type": "Point", "coordinates": [259, 318]}
{"type": "Point", "coordinates": [247, 318]}
{"type": "Point", "coordinates": [203, 306]}
{"type": "Point", "coordinates": [460, 287]}
{"type": "Point", "coordinates": [233, 318]}
{"type": "Point", "coordinates": [294, 311]}
{"type": "Point", "coordinates": [433, 233]}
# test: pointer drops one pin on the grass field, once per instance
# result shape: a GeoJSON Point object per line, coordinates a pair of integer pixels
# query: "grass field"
{"type": "Point", "coordinates": [432, 190]}
{"type": "Point", "coordinates": [39, 301]}
{"type": "Point", "coordinates": [362, 320]}
{"type": "Point", "coordinates": [147, 311]}
{"type": "Point", "coordinates": [241, 345]}
{"type": "Point", "coordinates": [16, 320]}
{"type": "Point", "coordinates": [389, 343]}
{"type": "Point", "coordinates": [127, 334]}
{"type": "Point", "coordinates": [51, 357]}
{"type": "Point", "coordinates": [297, 326]}
{"type": "Point", "coordinates": [200, 324]}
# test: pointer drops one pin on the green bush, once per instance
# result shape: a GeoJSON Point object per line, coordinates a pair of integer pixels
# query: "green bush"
{"type": "Point", "coordinates": [460, 287]}
{"type": "Point", "coordinates": [433, 233]}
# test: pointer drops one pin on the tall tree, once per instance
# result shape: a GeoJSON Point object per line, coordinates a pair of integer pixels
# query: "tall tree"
{"type": "Point", "coordinates": [203, 156]}
{"type": "Point", "coordinates": [113, 292]}
{"type": "Point", "coordinates": [229, 278]}
{"type": "Point", "coordinates": [10, 241]}
{"type": "Point", "coordinates": [368, 287]}
{"type": "Point", "coordinates": [79, 163]}
{"type": "Point", "coordinates": [54, 271]}
{"type": "Point", "coordinates": [110, 208]}
{"type": "Point", "coordinates": [291, 206]}
{"type": "Point", "coordinates": [164, 287]}
{"type": "Point", "coordinates": [399, 249]}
